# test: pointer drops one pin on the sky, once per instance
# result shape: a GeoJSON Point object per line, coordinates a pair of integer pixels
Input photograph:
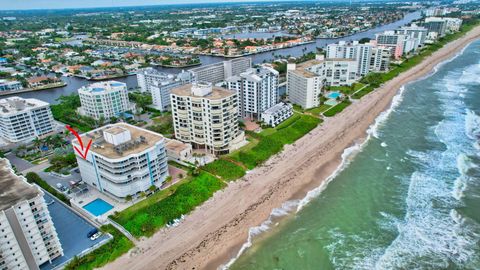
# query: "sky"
{"type": "Point", "coordinates": [61, 4]}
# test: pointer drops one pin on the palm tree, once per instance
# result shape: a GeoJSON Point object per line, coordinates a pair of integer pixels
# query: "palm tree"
{"type": "Point", "coordinates": [37, 142]}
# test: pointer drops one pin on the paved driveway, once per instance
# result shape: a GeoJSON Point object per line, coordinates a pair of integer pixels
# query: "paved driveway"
{"type": "Point", "coordinates": [72, 231]}
{"type": "Point", "coordinates": [19, 163]}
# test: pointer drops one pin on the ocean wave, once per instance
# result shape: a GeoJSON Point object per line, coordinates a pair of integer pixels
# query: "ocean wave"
{"type": "Point", "coordinates": [286, 208]}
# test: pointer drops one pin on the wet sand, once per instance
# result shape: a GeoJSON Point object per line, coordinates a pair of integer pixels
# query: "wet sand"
{"type": "Point", "coordinates": [214, 232]}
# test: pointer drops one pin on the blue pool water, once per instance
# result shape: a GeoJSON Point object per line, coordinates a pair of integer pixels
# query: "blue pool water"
{"type": "Point", "coordinates": [334, 95]}
{"type": "Point", "coordinates": [98, 207]}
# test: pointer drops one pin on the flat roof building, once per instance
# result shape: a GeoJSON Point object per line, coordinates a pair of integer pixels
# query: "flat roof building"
{"type": "Point", "coordinates": [219, 72]}
{"type": "Point", "coordinates": [104, 100]}
{"type": "Point", "coordinates": [206, 116]}
{"type": "Point", "coordinates": [123, 159]}
{"type": "Point", "coordinates": [24, 119]}
{"type": "Point", "coordinates": [257, 90]}
{"type": "Point", "coordinates": [28, 237]}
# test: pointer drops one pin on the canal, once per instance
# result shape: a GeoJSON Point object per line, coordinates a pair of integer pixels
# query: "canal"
{"type": "Point", "coordinates": [74, 83]}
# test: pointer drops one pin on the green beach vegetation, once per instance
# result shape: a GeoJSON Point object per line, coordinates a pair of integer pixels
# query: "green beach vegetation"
{"type": "Point", "coordinates": [337, 108]}
{"type": "Point", "coordinates": [146, 220]}
{"type": "Point", "coordinates": [113, 249]}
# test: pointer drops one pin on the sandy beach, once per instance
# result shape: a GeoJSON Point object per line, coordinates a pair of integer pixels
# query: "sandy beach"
{"type": "Point", "coordinates": [213, 233]}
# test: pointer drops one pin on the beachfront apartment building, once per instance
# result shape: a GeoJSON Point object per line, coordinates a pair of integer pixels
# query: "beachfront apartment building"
{"type": "Point", "coordinates": [359, 52]}
{"type": "Point", "coordinates": [277, 114]}
{"type": "Point", "coordinates": [380, 59]}
{"type": "Point", "coordinates": [303, 85]}
{"type": "Point", "coordinates": [25, 119]}
{"type": "Point", "coordinates": [305, 81]}
{"type": "Point", "coordinates": [390, 39]}
{"type": "Point", "coordinates": [219, 72]}
{"type": "Point", "coordinates": [417, 33]}
{"type": "Point", "coordinates": [123, 160]}
{"type": "Point", "coordinates": [207, 117]}
{"type": "Point", "coordinates": [28, 238]}
{"type": "Point", "coordinates": [257, 90]}
{"type": "Point", "coordinates": [159, 85]}
{"type": "Point", "coordinates": [7, 85]}
{"type": "Point", "coordinates": [104, 100]}
{"type": "Point", "coordinates": [436, 25]}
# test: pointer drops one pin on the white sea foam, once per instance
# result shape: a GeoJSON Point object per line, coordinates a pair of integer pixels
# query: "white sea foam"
{"type": "Point", "coordinates": [434, 235]}
{"type": "Point", "coordinates": [286, 208]}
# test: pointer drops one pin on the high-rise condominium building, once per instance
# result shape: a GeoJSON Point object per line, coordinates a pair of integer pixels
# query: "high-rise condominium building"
{"type": "Point", "coordinates": [123, 159]}
{"type": "Point", "coordinates": [418, 33]}
{"type": "Point", "coordinates": [159, 84]}
{"type": "Point", "coordinates": [395, 42]}
{"type": "Point", "coordinates": [219, 72]}
{"type": "Point", "coordinates": [303, 85]}
{"type": "Point", "coordinates": [28, 237]}
{"type": "Point", "coordinates": [380, 61]}
{"type": "Point", "coordinates": [257, 90]}
{"type": "Point", "coordinates": [206, 116]}
{"type": "Point", "coordinates": [437, 25]}
{"type": "Point", "coordinates": [359, 52]}
{"type": "Point", "coordinates": [104, 100]}
{"type": "Point", "coordinates": [24, 119]}
{"type": "Point", "coordinates": [306, 80]}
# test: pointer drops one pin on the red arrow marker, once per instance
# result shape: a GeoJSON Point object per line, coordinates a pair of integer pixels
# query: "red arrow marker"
{"type": "Point", "coordinates": [83, 152]}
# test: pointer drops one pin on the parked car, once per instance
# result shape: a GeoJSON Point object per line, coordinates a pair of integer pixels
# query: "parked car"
{"type": "Point", "coordinates": [95, 236]}
{"type": "Point", "coordinates": [92, 232]}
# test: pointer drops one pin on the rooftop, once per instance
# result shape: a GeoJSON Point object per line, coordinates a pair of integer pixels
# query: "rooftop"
{"type": "Point", "coordinates": [13, 188]}
{"type": "Point", "coordinates": [141, 140]}
{"type": "Point", "coordinates": [302, 68]}
{"type": "Point", "coordinates": [216, 93]}
{"type": "Point", "coordinates": [101, 87]}
{"type": "Point", "coordinates": [17, 104]}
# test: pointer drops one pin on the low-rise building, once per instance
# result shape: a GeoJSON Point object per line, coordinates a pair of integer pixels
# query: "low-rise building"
{"type": "Point", "coordinates": [104, 100]}
{"type": "Point", "coordinates": [207, 117]}
{"type": "Point", "coordinates": [177, 150]}
{"type": "Point", "coordinates": [28, 237]}
{"type": "Point", "coordinates": [24, 119]}
{"type": "Point", "coordinates": [6, 85]}
{"type": "Point", "coordinates": [277, 114]}
{"type": "Point", "coordinates": [123, 160]}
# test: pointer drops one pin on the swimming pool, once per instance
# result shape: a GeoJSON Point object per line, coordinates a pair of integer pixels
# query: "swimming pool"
{"type": "Point", "coordinates": [98, 207]}
{"type": "Point", "coordinates": [334, 95]}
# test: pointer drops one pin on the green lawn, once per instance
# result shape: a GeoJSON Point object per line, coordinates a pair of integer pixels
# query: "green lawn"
{"type": "Point", "coordinates": [224, 169]}
{"type": "Point", "coordinates": [146, 219]}
{"type": "Point", "coordinates": [337, 108]}
{"type": "Point", "coordinates": [347, 90]}
{"type": "Point", "coordinates": [271, 143]}
{"type": "Point", "coordinates": [104, 254]}
{"type": "Point", "coordinates": [320, 109]}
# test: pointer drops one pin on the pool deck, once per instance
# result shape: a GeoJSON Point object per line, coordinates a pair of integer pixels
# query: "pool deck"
{"type": "Point", "coordinates": [72, 231]}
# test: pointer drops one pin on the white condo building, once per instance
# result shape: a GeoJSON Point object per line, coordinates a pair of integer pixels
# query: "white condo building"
{"type": "Point", "coordinates": [159, 85]}
{"type": "Point", "coordinates": [28, 237]}
{"type": "Point", "coordinates": [306, 80]}
{"type": "Point", "coordinates": [207, 117]}
{"type": "Point", "coordinates": [395, 42]}
{"type": "Point", "coordinates": [219, 72]}
{"type": "Point", "coordinates": [123, 160]}
{"type": "Point", "coordinates": [380, 60]}
{"type": "Point", "coordinates": [359, 52]}
{"type": "Point", "coordinates": [24, 119]}
{"type": "Point", "coordinates": [257, 90]}
{"type": "Point", "coordinates": [277, 114]}
{"type": "Point", "coordinates": [104, 100]}
{"type": "Point", "coordinates": [417, 33]}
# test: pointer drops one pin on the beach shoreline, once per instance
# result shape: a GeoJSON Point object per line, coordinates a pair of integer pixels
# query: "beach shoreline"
{"type": "Point", "coordinates": [214, 232]}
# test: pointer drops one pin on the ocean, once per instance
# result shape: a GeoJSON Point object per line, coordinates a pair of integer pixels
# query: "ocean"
{"type": "Point", "coordinates": [407, 198]}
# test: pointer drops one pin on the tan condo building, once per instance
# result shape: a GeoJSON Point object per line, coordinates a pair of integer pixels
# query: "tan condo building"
{"type": "Point", "coordinates": [207, 117]}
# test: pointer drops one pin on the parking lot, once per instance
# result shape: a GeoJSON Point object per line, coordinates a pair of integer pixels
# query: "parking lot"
{"type": "Point", "coordinates": [72, 231]}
